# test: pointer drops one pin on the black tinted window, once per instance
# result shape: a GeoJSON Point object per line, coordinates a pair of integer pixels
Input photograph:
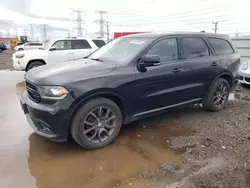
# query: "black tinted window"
{"type": "Point", "coordinates": [221, 46]}
{"type": "Point", "coordinates": [166, 49]}
{"type": "Point", "coordinates": [99, 43]}
{"type": "Point", "coordinates": [193, 48]}
{"type": "Point", "coordinates": [80, 44]}
{"type": "Point", "coordinates": [34, 44]}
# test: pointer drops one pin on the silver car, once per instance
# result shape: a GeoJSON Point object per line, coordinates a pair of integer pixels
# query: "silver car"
{"type": "Point", "coordinates": [244, 72]}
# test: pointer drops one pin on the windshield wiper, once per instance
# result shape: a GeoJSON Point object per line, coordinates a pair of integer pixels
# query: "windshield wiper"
{"type": "Point", "coordinates": [96, 59]}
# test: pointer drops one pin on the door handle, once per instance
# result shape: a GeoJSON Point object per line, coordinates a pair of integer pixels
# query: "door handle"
{"type": "Point", "coordinates": [176, 70]}
{"type": "Point", "coordinates": [214, 64]}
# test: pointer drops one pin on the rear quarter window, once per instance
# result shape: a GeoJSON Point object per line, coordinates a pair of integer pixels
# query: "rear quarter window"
{"type": "Point", "coordinates": [99, 43]}
{"type": "Point", "coordinates": [221, 46]}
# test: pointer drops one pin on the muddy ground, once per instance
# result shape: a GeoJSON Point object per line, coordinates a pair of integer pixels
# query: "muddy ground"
{"type": "Point", "coordinates": [185, 148]}
{"type": "Point", "coordinates": [6, 60]}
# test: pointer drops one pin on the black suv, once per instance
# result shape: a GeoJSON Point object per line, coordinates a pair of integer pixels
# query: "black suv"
{"type": "Point", "coordinates": [128, 79]}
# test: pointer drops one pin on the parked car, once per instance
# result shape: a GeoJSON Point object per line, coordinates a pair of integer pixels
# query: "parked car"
{"type": "Point", "coordinates": [3, 47]}
{"type": "Point", "coordinates": [28, 46]}
{"type": "Point", "coordinates": [55, 51]}
{"type": "Point", "coordinates": [128, 79]}
{"type": "Point", "coordinates": [244, 73]}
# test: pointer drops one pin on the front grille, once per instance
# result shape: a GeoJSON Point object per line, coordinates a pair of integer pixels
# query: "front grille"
{"type": "Point", "coordinates": [32, 92]}
{"type": "Point", "coordinates": [247, 79]}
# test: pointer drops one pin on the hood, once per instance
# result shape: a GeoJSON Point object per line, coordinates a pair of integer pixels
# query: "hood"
{"type": "Point", "coordinates": [30, 53]}
{"type": "Point", "coordinates": [68, 72]}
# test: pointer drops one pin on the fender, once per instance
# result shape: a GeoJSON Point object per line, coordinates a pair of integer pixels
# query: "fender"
{"type": "Point", "coordinates": [104, 92]}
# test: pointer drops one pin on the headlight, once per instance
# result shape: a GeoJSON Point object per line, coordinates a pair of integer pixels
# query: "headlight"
{"type": "Point", "coordinates": [244, 66]}
{"type": "Point", "coordinates": [53, 92]}
{"type": "Point", "coordinates": [19, 55]}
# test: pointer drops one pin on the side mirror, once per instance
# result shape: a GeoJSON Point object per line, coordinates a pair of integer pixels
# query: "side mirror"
{"type": "Point", "coordinates": [150, 60]}
{"type": "Point", "coordinates": [53, 48]}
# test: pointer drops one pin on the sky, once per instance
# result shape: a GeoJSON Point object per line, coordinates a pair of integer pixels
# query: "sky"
{"type": "Point", "coordinates": [127, 15]}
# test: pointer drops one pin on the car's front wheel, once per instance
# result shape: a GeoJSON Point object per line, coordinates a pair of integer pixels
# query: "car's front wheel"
{"type": "Point", "coordinates": [34, 64]}
{"type": "Point", "coordinates": [218, 94]}
{"type": "Point", "coordinates": [97, 123]}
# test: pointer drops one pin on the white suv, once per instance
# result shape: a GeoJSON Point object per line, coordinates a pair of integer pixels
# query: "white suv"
{"type": "Point", "coordinates": [55, 51]}
{"type": "Point", "coordinates": [28, 46]}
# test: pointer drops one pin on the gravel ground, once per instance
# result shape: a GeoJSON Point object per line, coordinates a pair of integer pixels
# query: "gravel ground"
{"type": "Point", "coordinates": [217, 154]}
{"type": "Point", "coordinates": [6, 60]}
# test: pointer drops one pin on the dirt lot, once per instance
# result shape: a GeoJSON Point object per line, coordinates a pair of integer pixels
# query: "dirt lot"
{"type": "Point", "coordinates": [6, 60]}
{"type": "Point", "coordinates": [185, 148]}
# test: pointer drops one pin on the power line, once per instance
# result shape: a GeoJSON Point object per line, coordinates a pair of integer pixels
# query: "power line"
{"type": "Point", "coordinates": [79, 21]}
{"type": "Point", "coordinates": [215, 26]}
{"type": "Point", "coordinates": [44, 30]}
{"type": "Point", "coordinates": [101, 21]}
{"type": "Point", "coordinates": [31, 32]}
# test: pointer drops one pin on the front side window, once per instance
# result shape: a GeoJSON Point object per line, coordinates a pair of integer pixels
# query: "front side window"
{"type": "Point", "coordinates": [80, 44]}
{"type": "Point", "coordinates": [121, 50]}
{"type": "Point", "coordinates": [193, 48]}
{"type": "Point", "coordinates": [166, 49]}
{"type": "Point", "coordinates": [221, 46]}
{"type": "Point", "coordinates": [62, 45]}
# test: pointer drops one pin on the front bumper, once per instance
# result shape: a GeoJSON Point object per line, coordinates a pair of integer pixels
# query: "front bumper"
{"type": "Point", "coordinates": [244, 76]}
{"type": "Point", "coordinates": [50, 121]}
{"type": "Point", "coordinates": [19, 63]}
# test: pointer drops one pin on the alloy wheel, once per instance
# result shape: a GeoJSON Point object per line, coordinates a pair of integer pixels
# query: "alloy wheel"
{"type": "Point", "coordinates": [99, 124]}
{"type": "Point", "coordinates": [220, 95]}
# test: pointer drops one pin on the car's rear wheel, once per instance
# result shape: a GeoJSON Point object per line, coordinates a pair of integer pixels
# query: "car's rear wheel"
{"type": "Point", "coordinates": [1, 50]}
{"type": "Point", "coordinates": [218, 94]}
{"type": "Point", "coordinates": [34, 64]}
{"type": "Point", "coordinates": [20, 49]}
{"type": "Point", "coordinates": [97, 123]}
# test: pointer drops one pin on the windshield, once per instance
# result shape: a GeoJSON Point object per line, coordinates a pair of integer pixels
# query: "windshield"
{"type": "Point", "coordinates": [120, 50]}
{"type": "Point", "coordinates": [47, 45]}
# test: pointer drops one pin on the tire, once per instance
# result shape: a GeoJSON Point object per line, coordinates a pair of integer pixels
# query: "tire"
{"type": "Point", "coordinates": [20, 49]}
{"type": "Point", "coordinates": [216, 100]}
{"type": "Point", "coordinates": [90, 139]}
{"type": "Point", "coordinates": [34, 64]}
{"type": "Point", "coordinates": [1, 50]}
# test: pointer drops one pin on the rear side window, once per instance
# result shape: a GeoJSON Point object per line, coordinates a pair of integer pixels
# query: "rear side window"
{"type": "Point", "coordinates": [221, 46]}
{"type": "Point", "coordinates": [35, 44]}
{"type": "Point", "coordinates": [193, 48]}
{"type": "Point", "coordinates": [99, 43]}
{"type": "Point", "coordinates": [80, 44]}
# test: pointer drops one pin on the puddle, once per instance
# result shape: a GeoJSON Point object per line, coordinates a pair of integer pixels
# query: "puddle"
{"type": "Point", "coordinates": [32, 161]}
{"type": "Point", "coordinates": [136, 150]}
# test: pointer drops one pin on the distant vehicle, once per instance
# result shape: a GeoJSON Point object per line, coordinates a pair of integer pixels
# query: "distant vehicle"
{"type": "Point", "coordinates": [128, 79]}
{"type": "Point", "coordinates": [244, 73]}
{"type": "Point", "coordinates": [56, 51]}
{"type": "Point", "coordinates": [2, 47]}
{"type": "Point", "coordinates": [121, 34]}
{"type": "Point", "coordinates": [28, 46]}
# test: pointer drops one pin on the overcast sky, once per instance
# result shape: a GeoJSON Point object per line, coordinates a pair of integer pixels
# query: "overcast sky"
{"type": "Point", "coordinates": [127, 15]}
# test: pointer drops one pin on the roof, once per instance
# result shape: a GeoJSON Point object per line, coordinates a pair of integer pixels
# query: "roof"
{"type": "Point", "coordinates": [156, 35]}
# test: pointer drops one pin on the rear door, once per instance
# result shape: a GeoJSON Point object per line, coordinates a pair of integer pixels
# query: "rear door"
{"type": "Point", "coordinates": [81, 48]}
{"type": "Point", "coordinates": [198, 65]}
{"type": "Point", "coordinates": [62, 51]}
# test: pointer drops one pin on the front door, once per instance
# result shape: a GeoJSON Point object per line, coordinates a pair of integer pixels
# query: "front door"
{"type": "Point", "coordinates": [61, 51]}
{"type": "Point", "coordinates": [159, 86]}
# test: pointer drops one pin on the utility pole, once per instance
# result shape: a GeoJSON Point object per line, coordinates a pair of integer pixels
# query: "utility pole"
{"type": "Point", "coordinates": [79, 21]}
{"type": "Point", "coordinates": [31, 32]}
{"type": "Point", "coordinates": [16, 33]}
{"type": "Point", "coordinates": [215, 26]}
{"type": "Point", "coordinates": [107, 30]}
{"type": "Point", "coordinates": [44, 29]}
{"type": "Point", "coordinates": [101, 21]}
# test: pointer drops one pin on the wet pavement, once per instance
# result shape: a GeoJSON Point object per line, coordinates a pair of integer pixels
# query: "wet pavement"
{"type": "Point", "coordinates": [32, 161]}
